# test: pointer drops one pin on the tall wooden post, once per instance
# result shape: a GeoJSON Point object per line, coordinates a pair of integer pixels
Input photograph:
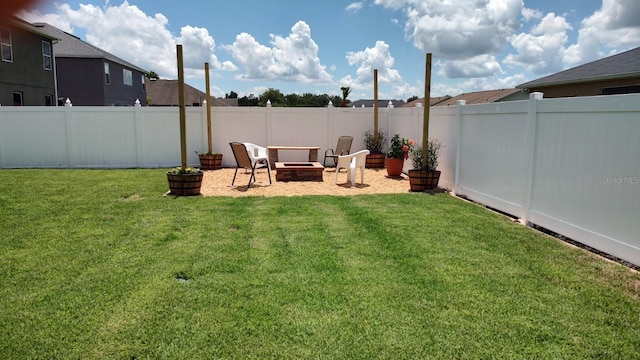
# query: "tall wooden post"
{"type": "Point", "coordinates": [206, 76]}
{"type": "Point", "coordinates": [183, 114]}
{"type": "Point", "coordinates": [375, 105]}
{"type": "Point", "coordinates": [427, 106]}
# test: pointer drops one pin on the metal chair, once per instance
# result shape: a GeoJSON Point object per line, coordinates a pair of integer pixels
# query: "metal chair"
{"type": "Point", "coordinates": [343, 148]}
{"type": "Point", "coordinates": [243, 160]}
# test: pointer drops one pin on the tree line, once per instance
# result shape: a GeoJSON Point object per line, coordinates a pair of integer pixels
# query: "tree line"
{"type": "Point", "coordinates": [278, 99]}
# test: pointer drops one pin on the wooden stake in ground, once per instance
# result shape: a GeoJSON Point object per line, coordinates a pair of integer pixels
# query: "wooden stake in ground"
{"type": "Point", "coordinates": [206, 76]}
{"type": "Point", "coordinates": [375, 105]}
{"type": "Point", "coordinates": [427, 106]}
{"type": "Point", "coordinates": [183, 114]}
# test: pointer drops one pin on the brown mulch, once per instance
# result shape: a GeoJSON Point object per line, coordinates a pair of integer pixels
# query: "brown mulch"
{"type": "Point", "coordinates": [376, 181]}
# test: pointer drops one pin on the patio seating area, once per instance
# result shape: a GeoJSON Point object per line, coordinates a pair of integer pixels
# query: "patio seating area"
{"type": "Point", "coordinates": [216, 183]}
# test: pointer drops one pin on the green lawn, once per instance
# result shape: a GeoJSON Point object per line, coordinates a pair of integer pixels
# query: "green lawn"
{"type": "Point", "coordinates": [97, 264]}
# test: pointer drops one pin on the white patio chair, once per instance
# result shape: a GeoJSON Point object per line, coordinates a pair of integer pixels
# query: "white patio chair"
{"type": "Point", "coordinates": [259, 156]}
{"type": "Point", "coordinates": [352, 162]}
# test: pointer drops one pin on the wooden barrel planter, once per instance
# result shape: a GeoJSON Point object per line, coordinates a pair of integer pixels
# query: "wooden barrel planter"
{"type": "Point", "coordinates": [375, 161]}
{"type": "Point", "coordinates": [185, 184]}
{"type": "Point", "coordinates": [210, 162]}
{"type": "Point", "coordinates": [422, 180]}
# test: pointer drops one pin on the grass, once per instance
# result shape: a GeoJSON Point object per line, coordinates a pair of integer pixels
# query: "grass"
{"type": "Point", "coordinates": [97, 264]}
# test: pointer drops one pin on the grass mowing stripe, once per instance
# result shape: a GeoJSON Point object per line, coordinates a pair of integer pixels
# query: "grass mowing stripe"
{"type": "Point", "coordinates": [93, 275]}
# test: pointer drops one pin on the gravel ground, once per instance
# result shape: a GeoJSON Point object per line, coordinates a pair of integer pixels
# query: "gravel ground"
{"type": "Point", "coordinates": [376, 181]}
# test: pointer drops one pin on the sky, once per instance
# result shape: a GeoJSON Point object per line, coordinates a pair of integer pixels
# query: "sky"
{"type": "Point", "coordinates": [300, 46]}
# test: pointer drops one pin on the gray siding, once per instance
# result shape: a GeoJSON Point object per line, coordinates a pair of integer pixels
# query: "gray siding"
{"type": "Point", "coordinates": [26, 73]}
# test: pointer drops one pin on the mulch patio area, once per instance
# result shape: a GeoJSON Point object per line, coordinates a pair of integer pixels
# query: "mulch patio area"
{"type": "Point", "coordinates": [376, 181]}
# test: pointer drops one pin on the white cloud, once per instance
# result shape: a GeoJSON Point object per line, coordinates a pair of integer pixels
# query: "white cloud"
{"type": "Point", "coordinates": [291, 58]}
{"type": "Point", "coordinates": [541, 51]}
{"type": "Point", "coordinates": [616, 25]}
{"type": "Point", "coordinates": [136, 37]}
{"type": "Point", "coordinates": [51, 19]}
{"type": "Point", "coordinates": [529, 14]}
{"type": "Point", "coordinates": [355, 6]}
{"type": "Point", "coordinates": [378, 57]}
{"type": "Point", "coordinates": [477, 66]}
{"type": "Point", "coordinates": [460, 29]}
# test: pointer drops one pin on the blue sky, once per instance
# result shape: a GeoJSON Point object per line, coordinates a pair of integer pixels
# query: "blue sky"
{"type": "Point", "coordinates": [316, 47]}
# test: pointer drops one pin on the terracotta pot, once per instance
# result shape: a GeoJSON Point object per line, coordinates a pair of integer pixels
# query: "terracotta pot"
{"type": "Point", "coordinates": [375, 161]}
{"type": "Point", "coordinates": [210, 162]}
{"type": "Point", "coordinates": [185, 184]}
{"type": "Point", "coordinates": [421, 180]}
{"type": "Point", "coordinates": [394, 166]}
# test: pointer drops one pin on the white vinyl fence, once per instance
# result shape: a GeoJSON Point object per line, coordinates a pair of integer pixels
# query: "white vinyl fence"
{"type": "Point", "coordinates": [570, 165]}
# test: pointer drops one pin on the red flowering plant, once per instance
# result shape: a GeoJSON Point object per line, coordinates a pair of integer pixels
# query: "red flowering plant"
{"type": "Point", "coordinates": [400, 147]}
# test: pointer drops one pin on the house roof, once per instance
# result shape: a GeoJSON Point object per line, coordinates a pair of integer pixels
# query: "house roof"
{"type": "Point", "coordinates": [381, 103]}
{"type": "Point", "coordinates": [71, 46]}
{"type": "Point", "coordinates": [433, 101]}
{"type": "Point", "coordinates": [620, 66]}
{"type": "Point", "coordinates": [19, 23]}
{"type": "Point", "coordinates": [480, 97]}
{"type": "Point", "coordinates": [164, 92]}
{"type": "Point", "coordinates": [476, 97]}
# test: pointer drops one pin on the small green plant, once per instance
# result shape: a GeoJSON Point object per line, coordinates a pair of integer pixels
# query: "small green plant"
{"type": "Point", "coordinates": [399, 147]}
{"type": "Point", "coordinates": [433, 153]}
{"type": "Point", "coordinates": [206, 153]}
{"type": "Point", "coordinates": [372, 144]}
{"type": "Point", "coordinates": [184, 171]}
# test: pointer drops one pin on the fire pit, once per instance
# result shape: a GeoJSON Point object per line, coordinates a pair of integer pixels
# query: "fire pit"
{"type": "Point", "coordinates": [299, 171]}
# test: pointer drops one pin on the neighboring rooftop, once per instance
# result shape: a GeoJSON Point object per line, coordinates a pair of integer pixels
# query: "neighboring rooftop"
{"type": "Point", "coordinates": [486, 96]}
{"type": "Point", "coordinates": [476, 97]}
{"type": "Point", "coordinates": [433, 101]}
{"type": "Point", "coordinates": [621, 66]}
{"type": "Point", "coordinates": [71, 46]}
{"type": "Point", "coordinates": [162, 92]}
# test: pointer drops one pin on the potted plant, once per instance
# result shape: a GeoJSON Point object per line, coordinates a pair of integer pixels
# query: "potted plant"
{"type": "Point", "coordinates": [424, 175]}
{"type": "Point", "coordinates": [375, 145]}
{"type": "Point", "coordinates": [210, 160]}
{"type": "Point", "coordinates": [184, 181]}
{"type": "Point", "coordinates": [396, 155]}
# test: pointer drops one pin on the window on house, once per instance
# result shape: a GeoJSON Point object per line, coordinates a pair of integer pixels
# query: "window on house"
{"type": "Point", "coordinates": [17, 99]}
{"type": "Point", "coordinates": [144, 88]}
{"type": "Point", "coordinates": [46, 55]}
{"type": "Point", "coordinates": [107, 75]}
{"type": "Point", "coordinates": [127, 77]}
{"type": "Point", "coordinates": [5, 45]}
{"type": "Point", "coordinates": [48, 100]}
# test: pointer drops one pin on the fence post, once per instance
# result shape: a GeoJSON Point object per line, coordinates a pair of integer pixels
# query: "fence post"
{"type": "Point", "coordinates": [68, 128]}
{"type": "Point", "coordinates": [530, 149]}
{"type": "Point", "coordinates": [267, 121]}
{"type": "Point", "coordinates": [330, 124]}
{"type": "Point", "coordinates": [456, 176]}
{"type": "Point", "coordinates": [138, 136]}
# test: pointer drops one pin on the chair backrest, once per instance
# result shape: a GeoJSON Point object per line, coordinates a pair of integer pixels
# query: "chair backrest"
{"type": "Point", "coordinates": [241, 154]}
{"type": "Point", "coordinates": [361, 158]}
{"type": "Point", "coordinates": [344, 145]}
{"type": "Point", "coordinates": [256, 151]}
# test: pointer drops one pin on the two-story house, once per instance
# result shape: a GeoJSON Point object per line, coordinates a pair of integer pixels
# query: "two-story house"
{"type": "Point", "coordinates": [27, 68]}
{"type": "Point", "coordinates": [90, 76]}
